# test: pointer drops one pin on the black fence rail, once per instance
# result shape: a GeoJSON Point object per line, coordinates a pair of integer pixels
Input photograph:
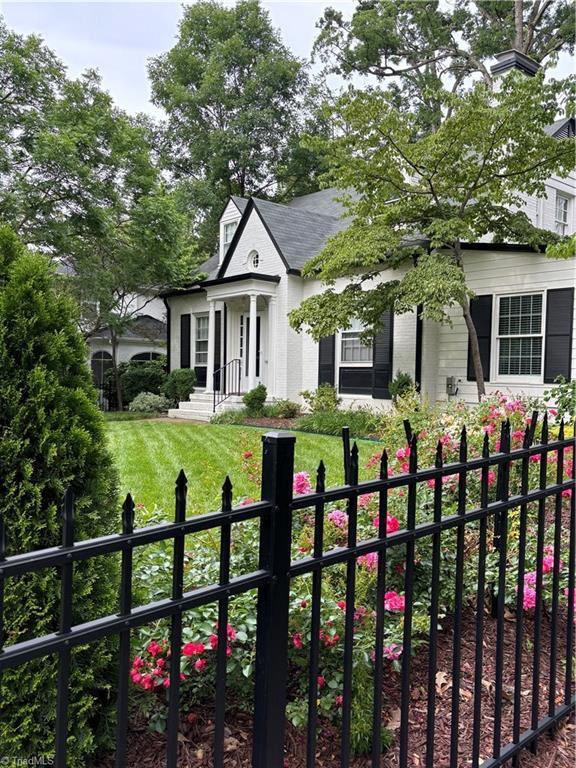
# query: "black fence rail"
{"type": "Point", "coordinates": [277, 569]}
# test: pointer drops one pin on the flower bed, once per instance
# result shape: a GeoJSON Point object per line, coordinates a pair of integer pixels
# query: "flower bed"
{"type": "Point", "coordinates": [439, 433]}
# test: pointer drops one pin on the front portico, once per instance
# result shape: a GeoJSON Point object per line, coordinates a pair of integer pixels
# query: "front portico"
{"type": "Point", "coordinates": [241, 351]}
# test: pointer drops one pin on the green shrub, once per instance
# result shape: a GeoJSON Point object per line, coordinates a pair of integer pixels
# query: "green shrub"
{"type": "Point", "coordinates": [179, 384]}
{"type": "Point", "coordinates": [286, 409]}
{"type": "Point", "coordinates": [147, 402]}
{"type": "Point", "coordinates": [254, 400]}
{"type": "Point", "coordinates": [400, 385]}
{"type": "Point", "coordinates": [52, 437]}
{"type": "Point", "coordinates": [142, 377]}
{"type": "Point", "coordinates": [564, 395]}
{"type": "Point", "coordinates": [362, 422]}
{"type": "Point", "coordinates": [325, 398]}
{"type": "Point", "coordinates": [229, 416]}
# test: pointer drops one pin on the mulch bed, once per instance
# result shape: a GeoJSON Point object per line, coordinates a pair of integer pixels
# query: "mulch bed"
{"type": "Point", "coordinates": [147, 750]}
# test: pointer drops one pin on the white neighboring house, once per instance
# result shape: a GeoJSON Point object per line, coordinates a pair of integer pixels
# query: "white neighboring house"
{"type": "Point", "coordinates": [144, 340]}
{"type": "Point", "coordinates": [232, 327]}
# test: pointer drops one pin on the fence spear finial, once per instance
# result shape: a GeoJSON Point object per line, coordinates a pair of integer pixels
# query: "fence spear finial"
{"type": "Point", "coordinates": [384, 465]}
{"type": "Point", "coordinates": [320, 477]}
{"type": "Point", "coordinates": [128, 514]}
{"type": "Point", "coordinates": [227, 494]}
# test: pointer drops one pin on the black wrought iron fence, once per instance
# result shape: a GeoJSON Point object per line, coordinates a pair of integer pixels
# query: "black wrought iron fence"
{"type": "Point", "coordinates": [277, 569]}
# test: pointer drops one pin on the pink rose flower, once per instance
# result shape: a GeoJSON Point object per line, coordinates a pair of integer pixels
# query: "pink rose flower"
{"type": "Point", "coordinates": [394, 602]}
{"type": "Point", "coordinates": [301, 483]}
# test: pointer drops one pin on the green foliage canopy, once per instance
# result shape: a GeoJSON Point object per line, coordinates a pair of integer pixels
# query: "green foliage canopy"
{"type": "Point", "coordinates": [420, 197]}
{"type": "Point", "coordinates": [420, 45]}
{"type": "Point", "coordinates": [236, 99]}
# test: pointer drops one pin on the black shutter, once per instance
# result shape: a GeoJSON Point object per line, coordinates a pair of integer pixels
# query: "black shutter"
{"type": "Point", "coordinates": [558, 344]}
{"type": "Point", "coordinates": [382, 358]}
{"type": "Point", "coordinates": [326, 354]}
{"type": "Point", "coordinates": [217, 349]}
{"type": "Point", "coordinates": [481, 311]}
{"type": "Point", "coordinates": [185, 345]}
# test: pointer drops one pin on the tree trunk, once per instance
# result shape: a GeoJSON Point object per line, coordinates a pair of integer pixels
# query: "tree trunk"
{"type": "Point", "coordinates": [473, 336]}
{"type": "Point", "coordinates": [519, 25]}
{"type": "Point", "coordinates": [475, 351]}
{"type": "Point", "coordinates": [114, 340]}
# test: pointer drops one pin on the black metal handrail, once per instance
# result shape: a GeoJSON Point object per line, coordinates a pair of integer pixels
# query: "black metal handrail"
{"type": "Point", "coordinates": [226, 382]}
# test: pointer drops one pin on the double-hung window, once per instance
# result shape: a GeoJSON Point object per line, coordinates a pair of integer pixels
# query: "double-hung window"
{"type": "Point", "coordinates": [561, 214]}
{"type": "Point", "coordinates": [520, 335]}
{"type": "Point", "coordinates": [201, 339]}
{"type": "Point", "coordinates": [352, 349]}
{"type": "Point", "coordinates": [229, 230]}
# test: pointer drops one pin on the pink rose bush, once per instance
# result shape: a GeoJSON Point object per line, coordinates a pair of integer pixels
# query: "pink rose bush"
{"type": "Point", "coordinates": [150, 670]}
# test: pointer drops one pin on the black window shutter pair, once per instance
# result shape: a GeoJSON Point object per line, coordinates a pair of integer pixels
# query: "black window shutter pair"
{"type": "Point", "coordinates": [381, 365]}
{"type": "Point", "coordinates": [558, 339]}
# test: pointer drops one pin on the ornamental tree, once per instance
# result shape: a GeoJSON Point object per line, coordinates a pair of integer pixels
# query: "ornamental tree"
{"type": "Point", "coordinates": [420, 199]}
{"type": "Point", "coordinates": [52, 437]}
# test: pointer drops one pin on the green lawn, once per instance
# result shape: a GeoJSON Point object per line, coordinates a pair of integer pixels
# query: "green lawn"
{"type": "Point", "coordinates": [149, 455]}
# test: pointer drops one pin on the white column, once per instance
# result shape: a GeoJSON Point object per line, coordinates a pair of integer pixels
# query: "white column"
{"type": "Point", "coordinates": [252, 343]}
{"type": "Point", "coordinates": [211, 339]}
{"type": "Point", "coordinates": [272, 347]}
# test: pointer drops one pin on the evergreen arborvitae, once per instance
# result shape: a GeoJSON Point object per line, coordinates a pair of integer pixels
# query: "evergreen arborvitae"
{"type": "Point", "coordinates": [51, 437]}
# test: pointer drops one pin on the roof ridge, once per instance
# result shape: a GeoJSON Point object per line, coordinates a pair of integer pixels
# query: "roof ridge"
{"type": "Point", "coordinates": [297, 210]}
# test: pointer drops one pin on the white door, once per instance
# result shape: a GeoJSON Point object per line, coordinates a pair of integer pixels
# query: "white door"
{"type": "Point", "coordinates": [261, 361]}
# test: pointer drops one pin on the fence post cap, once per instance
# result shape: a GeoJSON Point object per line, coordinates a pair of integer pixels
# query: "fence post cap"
{"type": "Point", "coordinates": [273, 437]}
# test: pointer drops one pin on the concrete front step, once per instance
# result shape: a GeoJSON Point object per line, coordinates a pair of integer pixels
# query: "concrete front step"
{"type": "Point", "coordinates": [200, 406]}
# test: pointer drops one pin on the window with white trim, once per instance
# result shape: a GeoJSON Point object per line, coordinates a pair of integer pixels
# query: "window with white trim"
{"type": "Point", "coordinates": [228, 234]}
{"type": "Point", "coordinates": [201, 340]}
{"type": "Point", "coordinates": [561, 214]}
{"type": "Point", "coordinates": [520, 336]}
{"type": "Point", "coordinates": [352, 349]}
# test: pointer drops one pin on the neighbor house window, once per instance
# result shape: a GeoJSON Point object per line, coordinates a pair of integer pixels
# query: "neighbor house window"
{"type": "Point", "coordinates": [229, 230]}
{"type": "Point", "coordinates": [520, 335]}
{"type": "Point", "coordinates": [561, 217]}
{"type": "Point", "coordinates": [201, 353]}
{"type": "Point", "coordinates": [352, 349]}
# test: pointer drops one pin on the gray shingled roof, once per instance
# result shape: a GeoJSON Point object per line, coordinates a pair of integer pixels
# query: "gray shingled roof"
{"type": "Point", "coordinates": [323, 203]}
{"type": "Point", "coordinates": [143, 327]}
{"type": "Point", "coordinates": [240, 202]}
{"type": "Point", "coordinates": [562, 128]}
{"type": "Point", "coordinates": [299, 232]}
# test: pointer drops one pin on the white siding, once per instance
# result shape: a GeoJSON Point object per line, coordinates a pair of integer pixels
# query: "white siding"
{"type": "Point", "coordinates": [255, 238]}
{"type": "Point", "coordinates": [493, 272]}
{"type": "Point", "coordinates": [194, 303]}
{"type": "Point", "coordinates": [541, 210]}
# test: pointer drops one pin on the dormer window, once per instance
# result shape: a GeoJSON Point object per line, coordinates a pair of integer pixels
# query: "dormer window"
{"type": "Point", "coordinates": [561, 217]}
{"type": "Point", "coordinates": [228, 234]}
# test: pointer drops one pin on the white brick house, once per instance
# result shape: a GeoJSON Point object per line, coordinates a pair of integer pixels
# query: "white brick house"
{"type": "Point", "coordinates": [232, 327]}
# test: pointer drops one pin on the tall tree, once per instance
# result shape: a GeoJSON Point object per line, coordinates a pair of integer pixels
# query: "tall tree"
{"type": "Point", "coordinates": [419, 45]}
{"type": "Point", "coordinates": [427, 197]}
{"type": "Point", "coordinates": [233, 94]}
{"type": "Point", "coordinates": [80, 181]}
